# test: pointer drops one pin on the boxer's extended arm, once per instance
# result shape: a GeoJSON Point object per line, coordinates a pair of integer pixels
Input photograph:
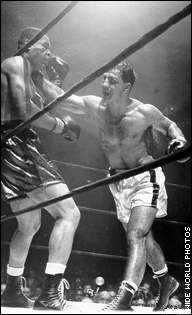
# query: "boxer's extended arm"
{"type": "Point", "coordinates": [51, 91]}
{"type": "Point", "coordinates": [67, 126]}
{"type": "Point", "coordinates": [81, 105]}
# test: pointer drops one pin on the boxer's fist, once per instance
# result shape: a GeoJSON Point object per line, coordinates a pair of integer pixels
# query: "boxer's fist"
{"type": "Point", "coordinates": [71, 130]}
{"type": "Point", "coordinates": [176, 145]}
{"type": "Point", "coordinates": [57, 70]}
{"type": "Point", "coordinates": [67, 127]}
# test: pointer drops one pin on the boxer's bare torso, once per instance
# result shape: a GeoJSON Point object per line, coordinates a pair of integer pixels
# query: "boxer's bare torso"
{"type": "Point", "coordinates": [123, 138]}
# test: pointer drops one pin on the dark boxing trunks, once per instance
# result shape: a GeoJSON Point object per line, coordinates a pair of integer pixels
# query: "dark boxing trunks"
{"type": "Point", "coordinates": [23, 168]}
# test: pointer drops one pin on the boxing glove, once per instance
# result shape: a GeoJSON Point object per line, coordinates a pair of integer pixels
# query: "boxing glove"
{"type": "Point", "coordinates": [57, 70]}
{"type": "Point", "coordinates": [67, 127]}
{"type": "Point", "coordinates": [175, 145]}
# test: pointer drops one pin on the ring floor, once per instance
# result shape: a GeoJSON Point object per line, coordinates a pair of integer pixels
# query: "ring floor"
{"type": "Point", "coordinates": [91, 308]}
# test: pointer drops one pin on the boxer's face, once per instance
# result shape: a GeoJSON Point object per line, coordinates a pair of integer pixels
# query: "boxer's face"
{"type": "Point", "coordinates": [112, 85]}
{"type": "Point", "coordinates": [42, 49]}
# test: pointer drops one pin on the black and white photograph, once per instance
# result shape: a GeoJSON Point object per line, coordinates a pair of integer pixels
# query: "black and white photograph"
{"type": "Point", "coordinates": [95, 157]}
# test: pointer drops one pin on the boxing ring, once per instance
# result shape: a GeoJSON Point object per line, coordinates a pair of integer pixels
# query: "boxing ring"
{"type": "Point", "coordinates": [90, 308]}
{"type": "Point", "coordinates": [82, 307]}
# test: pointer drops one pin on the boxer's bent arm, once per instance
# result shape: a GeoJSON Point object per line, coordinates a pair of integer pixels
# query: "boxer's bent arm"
{"type": "Point", "coordinates": [16, 90]}
{"type": "Point", "coordinates": [174, 132]}
{"type": "Point", "coordinates": [4, 86]}
{"type": "Point", "coordinates": [164, 124]}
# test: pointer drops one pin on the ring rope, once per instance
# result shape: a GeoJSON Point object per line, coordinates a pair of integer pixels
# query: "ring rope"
{"type": "Point", "coordinates": [183, 153]}
{"type": "Point", "coordinates": [113, 213]}
{"type": "Point", "coordinates": [103, 170]}
{"type": "Point", "coordinates": [148, 37]}
{"type": "Point", "coordinates": [88, 253]}
{"type": "Point", "coordinates": [47, 28]}
{"type": "Point", "coordinates": [100, 170]}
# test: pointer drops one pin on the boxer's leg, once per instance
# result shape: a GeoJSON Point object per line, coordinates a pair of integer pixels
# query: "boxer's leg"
{"type": "Point", "coordinates": [27, 225]}
{"type": "Point", "coordinates": [155, 256]}
{"type": "Point", "coordinates": [156, 260]}
{"type": "Point", "coordinates": [66, 216]}
{"type": "Point", "coordinates": [138, 227]}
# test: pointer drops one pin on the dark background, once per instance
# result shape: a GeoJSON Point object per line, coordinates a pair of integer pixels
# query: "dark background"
{"type": "Point", "coordinates": [89, 36]}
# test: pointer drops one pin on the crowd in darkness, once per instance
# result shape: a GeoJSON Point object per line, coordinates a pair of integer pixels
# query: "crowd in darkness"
{"type": "Point", "coordinates": [86, 290]}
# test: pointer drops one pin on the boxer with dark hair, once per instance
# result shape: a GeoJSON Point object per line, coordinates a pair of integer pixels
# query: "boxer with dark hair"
{"type": "Point", "coordinates": [28, 178]}
{"type": "Point", "coordinates": [124, 127]}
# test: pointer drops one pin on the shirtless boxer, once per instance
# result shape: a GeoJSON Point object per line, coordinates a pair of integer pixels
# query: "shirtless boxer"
{"type": "Point", "coordinates": [124, 125]}
{"type": "Point", "coordinates": [28, 178]}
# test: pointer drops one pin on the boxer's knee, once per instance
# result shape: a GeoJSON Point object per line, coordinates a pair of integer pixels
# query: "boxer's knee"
{"type": "Point", "coordinates": [136, 235]}
{"type": "Point", "coordinates": [28, 223]}
{"type": "Point", "coordinates": [150, 242]}
{"type": "Point", "coordinates": [29, 227]}
{"type": "Point", "coordinates": [66, 212]}
{"type": "Point", "coordinates": [74, 216]}
{"type": "Point", "coordinates": [68, 222]}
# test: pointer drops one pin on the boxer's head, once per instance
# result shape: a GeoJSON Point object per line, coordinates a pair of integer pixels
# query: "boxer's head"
{"type": "Point", "coordinates": [28, 33]}
{"type": "Point", "coordinates": [40, 49]}
{"type": "Point", "coordinates": [127, 73]}
{"type": "Point", "coordinates": [118, 80]}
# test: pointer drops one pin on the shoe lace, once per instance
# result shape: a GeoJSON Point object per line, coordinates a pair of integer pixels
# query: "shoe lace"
{"type": "Point", "coordinates": [23, 283]}
{"type": "Point", "coordinates": [159, 289]}
{"type": "Point", "coordinates": [64, 285]}
{"type": "Point", "coordinates": [116, 300]}
{"type": "Point", "coordinates": [58, 298]}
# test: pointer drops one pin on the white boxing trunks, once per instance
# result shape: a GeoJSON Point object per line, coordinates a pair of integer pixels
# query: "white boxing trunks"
{"type": "Point", "coordinates": [146, 189]}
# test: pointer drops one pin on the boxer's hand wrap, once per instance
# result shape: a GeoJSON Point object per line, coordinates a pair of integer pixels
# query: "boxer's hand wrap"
{"type": "Point", "coordinates": [175, 145]}
{"type": "Point", "coordinates": [57, 70]}
{"type": "Point", "coordinates": [67, 127]}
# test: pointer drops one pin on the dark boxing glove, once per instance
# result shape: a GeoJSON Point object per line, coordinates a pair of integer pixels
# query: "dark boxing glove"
{"type": "Point", "coordinates": [67, 127]}
{"type": "Point", "coordinates": [57, 70]}
{"type": "Point", "coordinates": [175, 145]}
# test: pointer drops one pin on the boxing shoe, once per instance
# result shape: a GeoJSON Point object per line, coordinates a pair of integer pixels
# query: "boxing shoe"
{"type": "Point", "coordinates": [123, 299]}
{"type": "Point", "coordinates": [53, 295]}
{"type": "Point", "coordinates": [167, 286]}
{"type": "Point", "coordinates": [13, 295]}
